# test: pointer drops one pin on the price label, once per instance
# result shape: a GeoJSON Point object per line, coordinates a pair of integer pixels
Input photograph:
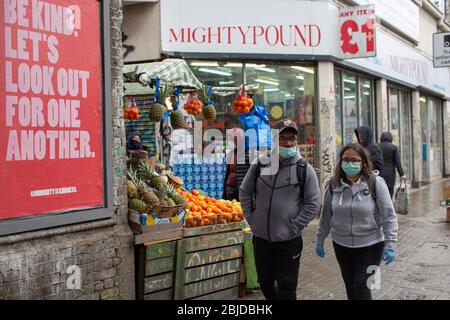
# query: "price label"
{"type": "Point", "coordinates": [358, 32]}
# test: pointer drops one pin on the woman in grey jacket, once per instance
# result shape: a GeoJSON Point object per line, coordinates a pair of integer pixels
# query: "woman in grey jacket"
{"type": "Point", "coordinates": [358, 211]}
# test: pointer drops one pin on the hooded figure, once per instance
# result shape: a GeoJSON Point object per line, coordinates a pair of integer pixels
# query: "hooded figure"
{"type": "Point", "coordinates": [391, 161]}
{"type": "Point", "coordinates": [134, 141]}
{"type": "Point", "coordinates": [364, 135]}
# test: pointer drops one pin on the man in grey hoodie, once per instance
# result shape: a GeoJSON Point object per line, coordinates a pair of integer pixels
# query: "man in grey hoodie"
{"type": "Point", "coordinates": [277, 212]}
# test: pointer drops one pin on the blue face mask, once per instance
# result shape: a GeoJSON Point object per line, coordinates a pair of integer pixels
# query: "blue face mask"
{"type": "Point", "coordinates": [351, 169]}
{"type": "Point", "coordinates": [287, 153]}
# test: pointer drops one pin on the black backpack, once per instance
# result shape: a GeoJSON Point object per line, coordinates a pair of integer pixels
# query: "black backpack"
{"type": "Point", "coordinates": [301, 175]}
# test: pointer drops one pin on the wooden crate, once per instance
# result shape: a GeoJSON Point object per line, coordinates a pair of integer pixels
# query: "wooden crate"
{"type": "Point", "coordinates": [158, 232]}
{"type": "Point", "coordinates": [209, 262]}
{"type": "Point", "coordinates": [155, 270]}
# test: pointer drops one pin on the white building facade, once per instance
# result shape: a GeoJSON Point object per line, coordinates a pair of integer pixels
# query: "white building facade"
{"type": "Point", "coordinates": [293, 50]}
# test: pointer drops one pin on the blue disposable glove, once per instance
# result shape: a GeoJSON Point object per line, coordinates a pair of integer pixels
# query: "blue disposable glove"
{"type": "Point", "coordinates": [388, 255]}
{"type": "Point", "coordinates": [320, 251]}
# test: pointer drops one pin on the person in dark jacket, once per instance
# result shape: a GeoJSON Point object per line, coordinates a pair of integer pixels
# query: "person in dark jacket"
{"type": "Point", "coordinates": [391, 161]}
{"type": "Point", "coordinates": [279, 214]}
{"type": "Point", "coordinates": [364, 135]}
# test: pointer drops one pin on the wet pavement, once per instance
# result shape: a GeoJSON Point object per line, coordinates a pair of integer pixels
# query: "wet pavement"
{"type": "Point", "coordinates": [421, 270]}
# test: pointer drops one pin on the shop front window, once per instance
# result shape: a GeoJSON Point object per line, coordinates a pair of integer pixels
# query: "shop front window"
{"type": "Point", "coordinates": [431, 125]}
{"type": "Point", "coordinates": [288, 91]}
{"type": "Point", "coordinates": [350, 107]}
{"type": "Point", "coordinates": [220, 74]}
{"type": "Point", "coordinates": [424, 135]}
{"type": "Point", "coordinates": [435, 137]}
{"type": "Point", "coordinates": [394, 121]}
{"type": "Point", "coordinates": [405, 132]}
{"type": "Point", "coordinates": [366, 98]}
{"type": "Point", "coordinates": [354, 106]}
{"type": "Point", "coordinates": [400, 125]}
{"type": "Point", "coordinates": [285, 91]}
{"type": "Point", "coordinates": [338, 110]}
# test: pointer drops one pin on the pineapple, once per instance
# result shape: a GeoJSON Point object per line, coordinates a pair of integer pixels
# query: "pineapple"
{"type": "Point", "coordinates": [132, 184]}
{"type": "Point", "coordinates": [179, 200]}
{"type": "Point", "coordinates": [156, 112]}
{"type": "Point", "coordinates": [144, 171]}
{"type": "Point", "coordinates": [150, 199]}
{"type": "Point", "coordinates": [153, 180]}
{"type": "Point", "coordinates": [209, 112]}
{"type": "Point", "coordinates": [132, 190]}
{"type": "Point", "coordinates": [177, 119]}
{"type": "Point", "coordinates": [163, 198]}
{"type": "Point", "coordinates": [171, 203]}
{"type": "Point", "coordinates": [137, 205]}
{"type": "Point", "coordinates": [174, 100]}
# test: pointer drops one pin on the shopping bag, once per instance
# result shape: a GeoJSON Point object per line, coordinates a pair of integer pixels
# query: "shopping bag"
{"type": "Point", "coordinates": [249, 262]}
{"type": "Point", "coordinates": [401, 201]}
{"type": "Point", "coordinates": [256, 124]}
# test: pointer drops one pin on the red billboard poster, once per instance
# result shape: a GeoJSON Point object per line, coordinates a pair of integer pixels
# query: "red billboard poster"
{"type": "Point", "coordinates": [50, 107]}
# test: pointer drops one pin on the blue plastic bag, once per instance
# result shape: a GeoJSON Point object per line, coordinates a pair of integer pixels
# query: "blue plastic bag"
{"type": "Point", "coordinates": [256, 124]}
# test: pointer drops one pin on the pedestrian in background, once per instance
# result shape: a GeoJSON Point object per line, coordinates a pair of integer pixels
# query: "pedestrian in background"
{"type": "Point", "coordinates": [391, 161]}
{"type": "Point", "coordinates": [364, 135]}
{"type": "Point", "coordinates": [235, 138]}
{"type": "Point", "coordinates": [278, 205]}
{"type": "Point", "coordinates": [359, 213]}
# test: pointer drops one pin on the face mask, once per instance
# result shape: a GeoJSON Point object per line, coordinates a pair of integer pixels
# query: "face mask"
{"type": "Point", "coordinates": [287, 153]}
{"type": "Point", "coordinates": [351, 169]}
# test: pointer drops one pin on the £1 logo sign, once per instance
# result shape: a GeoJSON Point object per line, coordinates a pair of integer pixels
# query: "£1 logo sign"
{"type": "Point", "coordinates": [357, 29]}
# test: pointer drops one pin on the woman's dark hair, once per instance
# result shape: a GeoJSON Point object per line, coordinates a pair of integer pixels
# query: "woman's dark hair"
{"type": "Point", "coordinates": [366, 164]}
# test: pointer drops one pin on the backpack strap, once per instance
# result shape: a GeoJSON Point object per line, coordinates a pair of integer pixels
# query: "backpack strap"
{"type": "Point", "coordinates": [301, 176]}
{"type": "Point", "coordinates": [372, 184]}
{"type": "Point", "coordinates": [255, 181]}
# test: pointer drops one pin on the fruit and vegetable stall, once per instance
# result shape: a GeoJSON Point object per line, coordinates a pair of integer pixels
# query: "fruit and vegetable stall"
{"type": "Point", "coordinates": [189, 241]}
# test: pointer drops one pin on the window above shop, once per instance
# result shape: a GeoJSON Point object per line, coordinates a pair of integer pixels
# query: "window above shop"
{"type": "Point", "coordinates": [284, 90]}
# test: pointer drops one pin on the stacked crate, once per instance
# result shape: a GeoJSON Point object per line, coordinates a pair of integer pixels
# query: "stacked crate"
{"type": "Point", "coordinates": [209, 262]}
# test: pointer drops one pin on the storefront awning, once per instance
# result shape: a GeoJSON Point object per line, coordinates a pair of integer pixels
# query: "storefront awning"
{"type": "Point", "coordinates": [175, 72]}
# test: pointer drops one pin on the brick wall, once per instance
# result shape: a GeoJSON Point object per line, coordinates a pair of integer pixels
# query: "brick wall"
{"type": "Point", "coordinates": [35, 265]}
